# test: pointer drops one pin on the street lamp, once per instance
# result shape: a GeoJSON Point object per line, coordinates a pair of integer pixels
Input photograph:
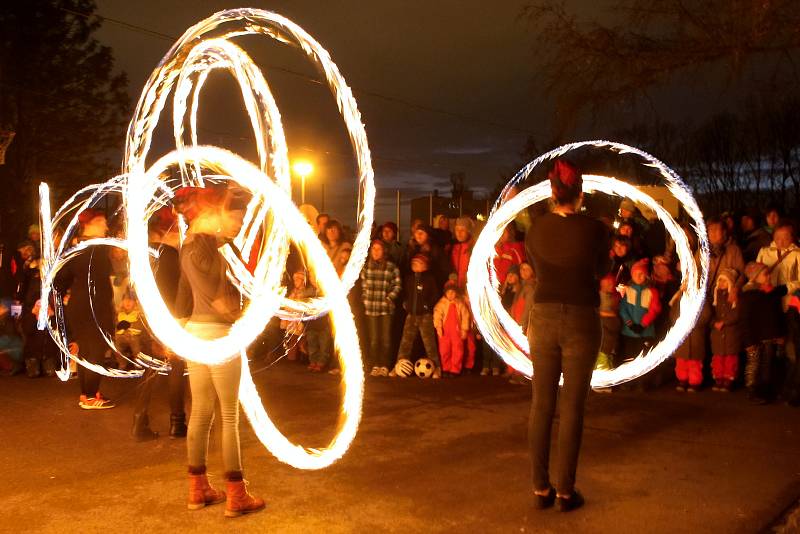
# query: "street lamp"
{"type": "Point", "coordinates": [302, 168]}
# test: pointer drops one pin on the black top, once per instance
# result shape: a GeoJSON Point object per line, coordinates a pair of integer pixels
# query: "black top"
{"type": "Point", "coordinates": [421, 293]}
{"type": "Point", "coordinates": [569, 254]}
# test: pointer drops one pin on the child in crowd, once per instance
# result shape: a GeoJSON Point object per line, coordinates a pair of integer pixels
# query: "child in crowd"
{"type": "Point", "coordinates": [420, 297]}
{"type": "Point", "coordinates": [510, 288]}
{"type": "Point", "coordinates": [293, 342]}
{"type": "Point", "coordinates": [509, 252]}
{"type": "Point", "coordinates": [638, 310]}
{"type": "Point", "coordinates": [129, 337]}
{"type": "Point", "coordinates": [621, 259]}
{"type": "Point", "coordinates": [41, 353]}
{"type": "Point", "coordinates": [451, 319]}
{"type": "Point", "coordinates": [380, 286]}
{"type": "Point", "coordinates": [763, 329]}
{"type": "Point", "coordinates": [459, 257]}
{"type": "Point", "coordinates": [726, 342]}
{"type": "Point", "coordinates": [610, 322]}
{"type": "Point", "coordinates": [523, 301]}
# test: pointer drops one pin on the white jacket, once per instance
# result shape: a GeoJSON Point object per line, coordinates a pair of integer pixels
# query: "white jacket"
{"type": "Point", "coordinates": [787, 271]}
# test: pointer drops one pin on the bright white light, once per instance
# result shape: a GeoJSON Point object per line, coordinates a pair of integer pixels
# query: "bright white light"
{"type": "Point", "coordinates": [505, 335]}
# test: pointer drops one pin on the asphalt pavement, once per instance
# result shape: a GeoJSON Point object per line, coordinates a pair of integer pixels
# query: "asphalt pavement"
{"type": "Point", "coordinates": [430, 456]}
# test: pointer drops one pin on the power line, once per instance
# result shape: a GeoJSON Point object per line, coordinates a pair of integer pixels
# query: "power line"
{"type": "Point", "coordinates": [311, 79]}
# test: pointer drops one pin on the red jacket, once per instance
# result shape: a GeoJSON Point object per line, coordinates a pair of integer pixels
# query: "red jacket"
{"type": "Point", "coordinates": [459, 258]}
{"type": "Point", "coordinates": [508, 254]}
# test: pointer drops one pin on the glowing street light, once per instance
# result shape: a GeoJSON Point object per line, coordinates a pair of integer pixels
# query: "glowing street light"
{"type": "Point", "coordinates": [302, 168]}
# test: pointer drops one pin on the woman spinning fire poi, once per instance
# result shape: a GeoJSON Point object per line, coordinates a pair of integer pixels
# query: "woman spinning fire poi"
{"type": "Point", "coordinates": [211, 304]}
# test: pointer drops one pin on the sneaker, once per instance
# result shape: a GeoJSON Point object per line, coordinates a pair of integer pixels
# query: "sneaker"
{"type": "Point", "coordinates": [375, 372]}
{"type": "Point", "coordinates": [567, 504]}
{"type": "Point", "coordinates": [681, 387]}
{"type": "Point", "coordinates": [603, 390]}
{"type": "Point", "coordinates": [495, 372]}
{"type": "Point", "coordinates": [692, 389]}
{"type": "Point", "coordinates": [335, 371]}
{"type": "Point", "coordinates": [383, 371]}
{"type": "Point", "coordinates": [95, 403]}
{"type": "Point", "coordinates": [485, 371]}
{"type": "Point", "coordinates": [437, 373]}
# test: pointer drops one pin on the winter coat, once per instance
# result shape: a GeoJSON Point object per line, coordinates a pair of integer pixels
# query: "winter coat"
{"type": "Point", "coordinates": [459, 258]}
{"type": "Point", "coordinates": [754, 242]}
{"type": "Point", "coordinates": [442, 308]}
{"type": "Point", "coordinates": [762, 316]}
{"type": "Point", "coordinates": [728, 340]}
{"type": "Point", "coordinates": [421, 293]}
{"type": "Point", "coordinates": [508, 254]}
{"type": "Point", "coordinates": [694, 347]}
{"type": "Point", "coordinates": [639, 305]}
{"type": "Point", "coordinates": [788, 270]}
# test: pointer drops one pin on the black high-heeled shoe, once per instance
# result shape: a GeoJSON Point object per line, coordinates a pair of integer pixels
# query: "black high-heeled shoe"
{"type": "Point", "coordinates": [545, 501]}
{"type": "Point", "coordinates": [567, 504]}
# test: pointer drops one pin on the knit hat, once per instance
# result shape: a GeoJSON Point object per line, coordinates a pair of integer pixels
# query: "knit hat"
{"type": "Point", "coordinates": [450, 284]}
{"type": "Point", "coordinates": [731, 275]}
{"type": "Point", "coordinates": [627, 205]}
{"type": "Point", "coordinates": [641, 265]}
{"type": "Point", "coordinates": [88, 215]}
{"type": "Point", "coordinates": [753, 269]}
{"type": "Point", "coordinates": [25, 243]}
{"type": "Point", "coordinates": [426, 228]}
{"type": "Point", "coordinates": [465, 222]}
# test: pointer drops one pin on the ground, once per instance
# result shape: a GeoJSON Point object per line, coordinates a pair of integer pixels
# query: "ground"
{"type": "Point", "coordinates": [430, 456]}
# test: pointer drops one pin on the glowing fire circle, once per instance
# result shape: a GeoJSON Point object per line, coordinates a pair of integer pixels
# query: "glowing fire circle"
{"type": "Point", "coordinates": [270, 217]}
{"type": "Point", "coordinates": [505, 336]}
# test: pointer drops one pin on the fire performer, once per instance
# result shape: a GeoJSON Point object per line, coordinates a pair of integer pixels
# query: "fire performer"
{"type": "Point", "coordinates": [215, 307]}
{"type": "Point", "coordinates": [569, 252]}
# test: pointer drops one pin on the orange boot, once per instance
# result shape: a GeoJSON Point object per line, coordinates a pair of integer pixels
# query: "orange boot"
{"type": "Point", "coordinates": [201, 493]}
{"type": "Point", "coordinates": [239, 501]}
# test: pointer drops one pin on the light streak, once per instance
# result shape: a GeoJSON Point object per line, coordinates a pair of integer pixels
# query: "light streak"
{"type": "Point", "coordinates": [269, 214]}
{"type": "Point", "coordinates": [505, 336]}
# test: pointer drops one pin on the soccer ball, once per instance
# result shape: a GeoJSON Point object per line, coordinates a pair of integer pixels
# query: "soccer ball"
{"type": "Point", "coordinates": [404, 368]}
{"type": "Point", "coordinates": [424, 368]}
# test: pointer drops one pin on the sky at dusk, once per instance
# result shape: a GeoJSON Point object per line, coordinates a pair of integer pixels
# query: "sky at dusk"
{"type": "Point", "coordinates": [467, 58]}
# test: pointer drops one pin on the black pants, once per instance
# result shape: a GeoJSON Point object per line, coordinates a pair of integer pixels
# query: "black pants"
{"type": "Point", "coordinates": [177, 388]}
{"type": "Point", "coordinates": [565, 339]}
{"type": "Point", "coordinates": [92, 348]}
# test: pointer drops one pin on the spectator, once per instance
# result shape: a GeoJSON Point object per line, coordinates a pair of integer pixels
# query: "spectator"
{"type": "Point", "coordinates": [442, 234]}
{"type": "Point", "coordinates": [459, 258]}
{"type": "Point", "coordinates": [509, 252]}
{"type": "Point", "coordinates": [322, 223]}
{"type": "Point", "coordinates": [420, 298]}
{"type": "Point", "coordinates": [439, 264]}
{"type": "Point", "coordinates": [10, 343]}
{"type": "Point", "coordinates": [129, 336]}
{"type": "Point", "coordinates": [394, 250]}
{"type": "Point", "coordinates": [772, 216]}
{"type": "Point", "coordinates": [40, 351]}
{"type": "Point", "coordinates": [726, 340]}
{"type": "Point", "coordinates": [638, 310]}
{"type": "Point", "coordinates": [754, 237]}
{"type": "Point", "coordinates": [295, 329]}
{"type": "Point", "coordinates": [381, 285]}
{"type": "Point", "coordinates": [611, 324]}
{"type": "Point", "coordinates": [451, 319]}
{"type": "Point", "coordinates": [622, 259]}
{"type": "Point", "coordinates": [334, 239]}
{"type": "Point", "coordinates": [763, 329]}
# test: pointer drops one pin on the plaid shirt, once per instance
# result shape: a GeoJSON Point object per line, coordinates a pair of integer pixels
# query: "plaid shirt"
{"type": "Point", "coordinates": [380, 285]}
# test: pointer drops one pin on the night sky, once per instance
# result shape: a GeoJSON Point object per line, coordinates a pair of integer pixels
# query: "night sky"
{"type": "Point", "coordinates": [468, 57]}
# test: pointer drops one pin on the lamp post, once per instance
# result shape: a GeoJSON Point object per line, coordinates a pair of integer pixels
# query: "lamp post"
{"type": "Point", "coordinates": [302, 168]}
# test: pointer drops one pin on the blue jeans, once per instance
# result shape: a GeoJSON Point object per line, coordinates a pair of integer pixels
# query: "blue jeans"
{"type": "Point", "coordinates": [379, 337]}
{"type": "Point", "coordinates": [564, 339]}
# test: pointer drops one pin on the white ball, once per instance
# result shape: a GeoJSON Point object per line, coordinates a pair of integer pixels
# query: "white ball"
{"type": "Point", "coordinates": [424, 368]}
{"type": "Point", "coordinates": [404, 368]}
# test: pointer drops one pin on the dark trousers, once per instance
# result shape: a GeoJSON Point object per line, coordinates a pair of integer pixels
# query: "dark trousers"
{"type": "Point", "coordinates": [379, 336]}
{"type": "Point", "coordinates": [565, 339]}
{"type": "Point", "coordinates": [91, 348]}
{"type": "Point", "coordinates": [177, 388]}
